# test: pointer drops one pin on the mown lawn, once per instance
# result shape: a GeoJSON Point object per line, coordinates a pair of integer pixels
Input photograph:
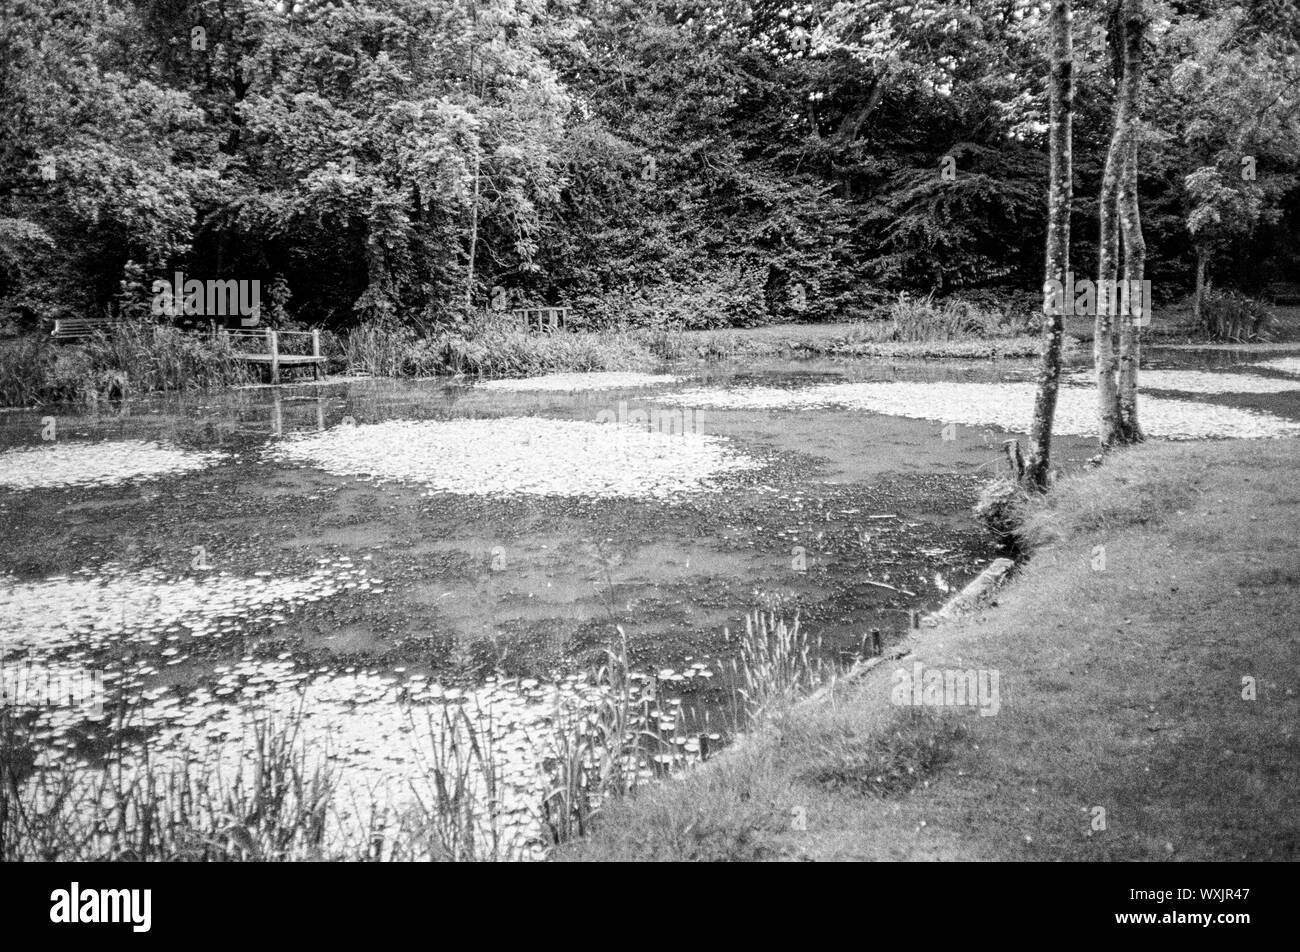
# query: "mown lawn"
{"type": "Point", "coordinates": [1121, 688]}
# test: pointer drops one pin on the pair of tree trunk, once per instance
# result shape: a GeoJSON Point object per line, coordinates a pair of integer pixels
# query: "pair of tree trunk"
{"type": "Point", "coordinates": [1116, 367]}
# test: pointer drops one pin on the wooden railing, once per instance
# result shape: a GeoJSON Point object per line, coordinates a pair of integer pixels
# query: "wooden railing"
{"type": "Point", "coordinates": [264, 347]}
{"type": "Point", "coordinates": [545, 318]}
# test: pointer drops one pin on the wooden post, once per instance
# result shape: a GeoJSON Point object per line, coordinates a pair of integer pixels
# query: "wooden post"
{"type": "Point", "coordinates": [315, 352]}
{"type": "Point", "coordinates": [915, 618]}
{"type": "Point", "coordinates": [273, 345]}
{"type": "Point", "coordinates": [1014, 459]}
{"type": "Point", "coordinates": [875, 641]}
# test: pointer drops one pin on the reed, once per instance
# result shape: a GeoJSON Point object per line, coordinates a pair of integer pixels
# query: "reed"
{"type": "Point", "coordinates": [776, 665]}
{"type": "Point", "coordinates": [274, 797]}
{"type": "Point", "coordinates": [135, 357]}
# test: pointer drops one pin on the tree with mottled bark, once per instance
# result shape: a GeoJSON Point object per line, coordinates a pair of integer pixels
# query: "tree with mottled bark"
{"type": "Point", "coordinates": [1138, 309]}
{"type": "Point", "coordinates": [1119, 216]}
{"type": "Point", "coordinates": [1059, 201]}
{"type": "Point", "coordinates": [1105, 359]}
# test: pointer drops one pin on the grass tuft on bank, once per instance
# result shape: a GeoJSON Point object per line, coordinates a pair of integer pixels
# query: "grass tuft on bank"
{"type": "Point", "coordinates": [1125, 729]}
{"type": "Point", "coordinates": [134, 358]}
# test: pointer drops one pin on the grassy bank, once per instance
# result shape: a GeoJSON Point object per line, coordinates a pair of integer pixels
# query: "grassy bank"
{"type": "Point", "coordinates": [137, 358]}
{"type": "Point", "coordinates": [1121, 689]}
{"type": "Point", "coordinates": [491, 345]}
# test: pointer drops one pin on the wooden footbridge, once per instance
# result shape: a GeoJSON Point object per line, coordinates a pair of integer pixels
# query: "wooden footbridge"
{"type": "Point", "coordinates": [270, 348]}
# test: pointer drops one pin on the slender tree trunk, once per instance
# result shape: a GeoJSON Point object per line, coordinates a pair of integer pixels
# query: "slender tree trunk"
{"type": "Point", "coordinates": [1060, 194]}
{"type": "Point", "coordinates": [1131, 318]}
{"type": "Point", "coordinates": [473, 231]}
{"type": "Point", "coordinates": [1103, 343]}
{"type": "Point", "coordinates": [1198, 302]}
{"type": "Point", "coordinates": [1135, 24]}
{"type": "Point", "coordinates": [478, 166]}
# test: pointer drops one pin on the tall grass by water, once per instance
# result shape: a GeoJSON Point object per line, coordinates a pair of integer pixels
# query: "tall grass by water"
{"type": "Point", "coordinates": [133, 358]}
{"type": "Point", "coordinates": [777, 665]}
{"type": "Point", "coordinates": [489, 345]}
{"type": "Point", "coordinates": [271, 808]}
{"type": "Point", "coordinates": [279, 798]}
{"type": "Point", "coordinates": [923, 320]}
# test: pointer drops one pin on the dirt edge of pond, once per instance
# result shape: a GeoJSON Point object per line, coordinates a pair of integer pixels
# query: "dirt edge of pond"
{"type": "Point", "coordinates": [1147, 710]}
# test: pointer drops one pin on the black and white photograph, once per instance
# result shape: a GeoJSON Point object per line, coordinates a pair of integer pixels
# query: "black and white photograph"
{"type": "Point", "coordinates": [650, 431]}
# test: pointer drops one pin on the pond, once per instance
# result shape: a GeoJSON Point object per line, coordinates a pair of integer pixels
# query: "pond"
{"type": "Point", "coordinates": [361, 552]}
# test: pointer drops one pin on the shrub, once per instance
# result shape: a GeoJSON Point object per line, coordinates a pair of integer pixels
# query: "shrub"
{"type": "Point", "coordinates": [1231, 316]}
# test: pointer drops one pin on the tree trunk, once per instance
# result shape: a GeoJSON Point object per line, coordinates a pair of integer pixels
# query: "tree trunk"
{"type": "Point", "coordinates": [478, 165]}
{"type": "Point", "coordinates": [473, 231]}
{"type": "Point", "coordinates": [1135, 25]}
{"type": "Point", "coordinates": [1198, 302]}
{"type": "Point", "coordinates": [1103, 343]}
{"type": "Point", "coordinates": [1060, 194]}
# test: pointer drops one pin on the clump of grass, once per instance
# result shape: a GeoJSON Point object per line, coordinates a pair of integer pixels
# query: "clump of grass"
{"type": "Point", "coordinates": [920, 320]}
{"type": "Point", "coordinates": [595, 754]}
{"type": "Point", "coordinates": [278, 800]}
{"type": "Point", "coordinates": [271, 807]}
{"type": "Point", "coordinates": [390, 350]}
{"type": "Point", "coordinates": [1231, 316]}
{"type": "Point", "coordinates": [1003, 507]}
{"type": "Point", "coordinates": [459, 816]}
{"type": "Point", "coordinates": [488, 344]}
{"type": "Point", "coordinates": [910, 751]}
{"type": "Point", "coordinates": [777, 665]}
{"type": "Point", "coordinates": [1002, 347]}
{"type": "Point", "coordinates": [1132, 489]}
{"type": "Point", "coordinates": [133, 357]}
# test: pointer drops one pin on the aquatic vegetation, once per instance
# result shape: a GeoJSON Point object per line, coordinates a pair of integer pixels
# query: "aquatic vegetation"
{"type": "Point", "coordinates": [109, 463]}
{"type": "Point", "coordinates": [136, 357]}
{"type": "Point", "coordinates": [777, 664]}
{"type": "Point", "coordinates": [162, 805]}
{"type": "Point", "coordinates": [911, 319]}
{"type": "Point", "coordinates": [1005, 405]}
{"type": "Point", "coordinates": [1199, 381]}
{"type": "Point", "coordinates": [273, 761]}
{"type": "Point", "coordinates": [96, 608]}
{"type": "Point", "coordinates": [574, 382]}
{"type": "Point", "coordinates": [521, 455]}
{"type": "Point", "coordinates": [489, 344]}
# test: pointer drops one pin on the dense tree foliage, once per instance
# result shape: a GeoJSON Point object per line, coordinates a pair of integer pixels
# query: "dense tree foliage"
{"type": "Point", "coordinates": [743, 162]}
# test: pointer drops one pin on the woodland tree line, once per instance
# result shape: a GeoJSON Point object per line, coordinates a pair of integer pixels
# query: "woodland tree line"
{"type": "Point", "coordinates": [649, 160]}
